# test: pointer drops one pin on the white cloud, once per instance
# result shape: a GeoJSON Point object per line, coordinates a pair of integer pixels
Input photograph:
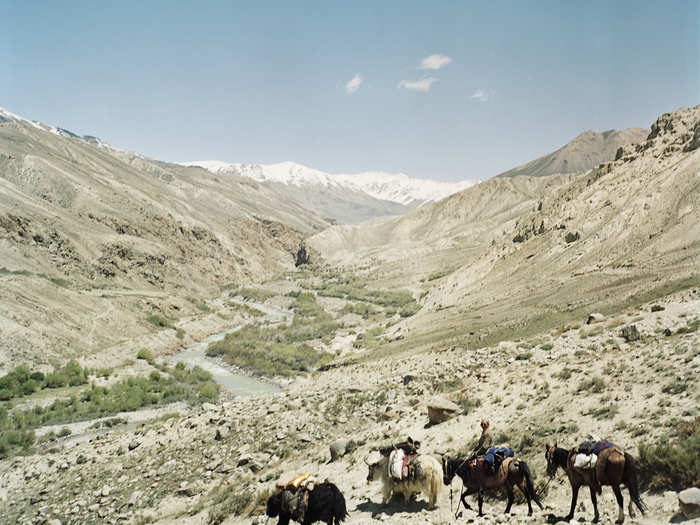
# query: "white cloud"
{"type": "Point", "coordinates": [435, 62]}
{"type": "Point", "coordinates": [353, 84]}
{"type": "Point", "coordinates": [480, 95]}
{"type": "Point", "coordinates": [419, 85]}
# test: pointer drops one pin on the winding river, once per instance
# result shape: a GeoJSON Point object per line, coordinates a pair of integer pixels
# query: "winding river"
{"type": "Point", "coordinates": [236, 383]}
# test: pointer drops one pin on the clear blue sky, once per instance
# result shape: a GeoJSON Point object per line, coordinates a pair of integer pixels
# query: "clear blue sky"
{"type": "Point", "coordinates": [271, 81]}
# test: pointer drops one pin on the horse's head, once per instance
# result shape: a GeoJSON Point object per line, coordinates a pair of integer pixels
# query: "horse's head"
{"type": "Point", "coordinates": [448, 473]}
{"type": "Point", "coordinates": [552, 465]}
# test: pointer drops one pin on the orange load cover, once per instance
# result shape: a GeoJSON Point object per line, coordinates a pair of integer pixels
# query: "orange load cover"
{"type": "Point", "coordinates": [294, 480]}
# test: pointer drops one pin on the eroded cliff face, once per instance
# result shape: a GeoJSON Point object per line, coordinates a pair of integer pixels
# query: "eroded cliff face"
{"type": "Point", "coordinates": [78, 220]}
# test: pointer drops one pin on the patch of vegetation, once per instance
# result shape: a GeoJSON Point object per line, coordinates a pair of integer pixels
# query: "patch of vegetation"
{"type": "Point", "coordinates": [233, 500]}
{"type": "Point", "coordinates": [246, 309]}
{"type": "Point", "coordinates": [364, 310]}
{"type": "Point", "coordinates": [595, 384]}
{"type": "Point", "coordinates": [146, 355]}
{"type": "Point", "coordinates": [5, 271]}
{"type": "Point", "coordinates": [439, 274]}
{"type": "Point", "coordinates": [160, 388]}
{"type": "Point", "coordinates": [690, 327]}
{"type": "Point", "coordinates": [353, 289]}
{"type": "Point", "coordinates": [23, 382]}
{"type": "Point", "coordinates": [564, 374]}
{"type": "Point", "coordinates": [281, 350]}
{"type": "Point", "coordinates": [604, 412]}
{"type": "Point", "coordinates": [675, 387]}
{"type": "Point", "coordinates": [546, 346]}
{"type": "Point", "coordinates": [63, 283]}
{"type": "Point", "coordinates": [657, 308]}
{"type": "Point", "coordinates": [159, 321]}
{"type": "Point", "coordinates": [672, 464]}
{"type": "Point", "coordinates": [180, 333]}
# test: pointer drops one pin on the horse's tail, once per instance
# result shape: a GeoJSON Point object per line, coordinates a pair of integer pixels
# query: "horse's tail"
{"type": "Point", "coordinates": [529, 486]}
{"type": "Point", "coordinates": [631, 479]}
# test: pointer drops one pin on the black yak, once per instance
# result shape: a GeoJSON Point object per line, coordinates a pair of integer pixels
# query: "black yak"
{"type": "Point", "coordinates": [326, 504]}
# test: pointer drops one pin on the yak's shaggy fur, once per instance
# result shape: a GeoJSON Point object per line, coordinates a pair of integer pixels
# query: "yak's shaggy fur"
{"type": "Point", "coordinates": [428, 479]}
{"type": "Point", "coordinates": [326, 504]}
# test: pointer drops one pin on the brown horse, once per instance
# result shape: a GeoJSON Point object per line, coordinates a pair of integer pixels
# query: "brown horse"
{"type": "Point", "coordinates": [614, 467]}
{"type": "Point", "coordinates": [513, 472]}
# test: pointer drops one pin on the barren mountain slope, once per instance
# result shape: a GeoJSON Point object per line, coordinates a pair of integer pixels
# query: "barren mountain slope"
{"type": "Point", "coordinates": [76, 218]}
{"type": "Point", "coordinates": [492, 259]}
{"type": "Point", "coordinates": [586, 151]}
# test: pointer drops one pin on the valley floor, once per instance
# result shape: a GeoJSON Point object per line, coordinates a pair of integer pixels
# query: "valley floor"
{"type": "Point", "coordinates": [216, 462]}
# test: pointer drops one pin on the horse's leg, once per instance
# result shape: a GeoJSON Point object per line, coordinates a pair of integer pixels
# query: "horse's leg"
{"type": "Point", "coordinates": [526, 493]}
{"type": "Point", "coordinates": [480, 497]}
{"type": "Point", "coordinates": [463, 497]}
{"type": "Point", "coordinates": [509, 491]}
{"type": "Point", "coordinates": [620, 503]}
{"type": "Point", "coordinates": [593, 488]}
{"type": "Point", "coordinates": [574, 497]}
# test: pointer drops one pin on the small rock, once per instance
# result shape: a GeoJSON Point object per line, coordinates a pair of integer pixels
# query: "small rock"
{"type": "Point", "coordinates": [134, 444]}
{"type": "Point", "coordinates": [630, 333]}
{"type": "Point", "coordinates": [105, 491]}
{"type": "Point", "coordinates": [166, 468]}
{"type": "Point", "coordinates": [689, 502]}
{"type": "Point", "coordinates": [595, 318]}
{"type": "Point", "coordinates": [338, 448]}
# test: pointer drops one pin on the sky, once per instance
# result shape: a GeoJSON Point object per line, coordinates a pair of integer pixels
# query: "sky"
{"type": "Point", "coordinates": [445, 90]}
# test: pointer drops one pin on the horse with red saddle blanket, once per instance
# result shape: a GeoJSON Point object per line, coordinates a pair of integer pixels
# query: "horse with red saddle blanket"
{"type": "Point", "coordinates": [477, 475]}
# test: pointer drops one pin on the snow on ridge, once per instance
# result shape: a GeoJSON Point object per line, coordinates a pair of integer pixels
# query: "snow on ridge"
{"type": "Point", "coordinates": [394, 187]}
{"type": "Point", "coordinates": [7, 116]}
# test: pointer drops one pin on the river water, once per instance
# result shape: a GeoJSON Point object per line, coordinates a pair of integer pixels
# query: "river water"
{"type": "Point", "coordinates": [236, 383]}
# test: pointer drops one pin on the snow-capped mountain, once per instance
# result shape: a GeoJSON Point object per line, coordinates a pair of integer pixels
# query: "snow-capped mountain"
{"type": "Point", "coordinates": [396, 188]}
{"type": "Point", "coordinates": [6, 116]}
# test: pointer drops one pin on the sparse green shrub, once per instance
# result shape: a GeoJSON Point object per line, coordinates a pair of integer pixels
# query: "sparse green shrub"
{"type": "Point", "coordinates": [547, 346]}
{"type": "Point", "coordinates": [657, 308]}
{"type": "Point", "coordinates": [159, 321]}
{"type": "Point", "coordinates": [145, 354]}
{"type": "Point", "coordinates": [180, 333]}
{"type": "Point", "coordinates": [675, 387]}
{"type": "Point", "coordinates": [595, 385]}
{"type": "Point", "coordinates": [604, 412]}
{"type": "Point", "coordinates": [564, 374]}
{"type": "Point", "coordinates": [675, 464]}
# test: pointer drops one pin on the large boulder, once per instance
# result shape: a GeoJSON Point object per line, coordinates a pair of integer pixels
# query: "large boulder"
{"type": "Point", "coordinates": [340, 447]}
{"type": "Point", "coordinates": [689, 502]}
{"type": "Point", "coordinates": [440, 409]}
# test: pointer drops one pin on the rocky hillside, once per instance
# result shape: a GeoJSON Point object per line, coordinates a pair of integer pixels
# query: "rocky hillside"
{"type": "Point", "coordinates": [586, 151]}
{"type": "Point", "coordinates": [541, 248]}
{"type": "Point", "coordinates": [79, 220]}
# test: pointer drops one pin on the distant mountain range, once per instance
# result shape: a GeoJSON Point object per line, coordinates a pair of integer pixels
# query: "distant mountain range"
{"type": "Point", "coordinates": [345, 198]}
{"type": "Point", "coordinates": [586, 151]}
